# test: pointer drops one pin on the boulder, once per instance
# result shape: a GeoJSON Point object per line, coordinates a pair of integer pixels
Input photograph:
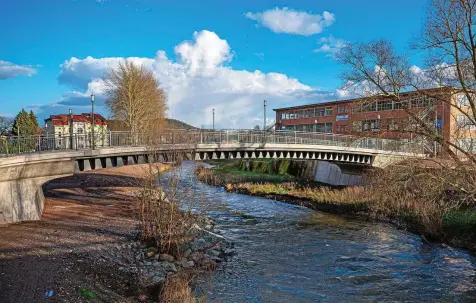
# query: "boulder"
{"type": "Point", "coordinates": [189, 264]}
{"type": "Point", "coordinates": [170, 267]}
{"type": "Point", "coordinates": [166, 257]}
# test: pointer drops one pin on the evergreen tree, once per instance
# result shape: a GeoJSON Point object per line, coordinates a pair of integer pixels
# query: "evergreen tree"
{"type": "Point", "coordinates": [34, 122]}
{"type": "Point", "coordinates": [22, 125]}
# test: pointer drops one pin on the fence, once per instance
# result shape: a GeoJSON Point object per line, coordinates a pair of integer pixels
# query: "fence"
{"type": "Point", "coordinates": [50, 143]}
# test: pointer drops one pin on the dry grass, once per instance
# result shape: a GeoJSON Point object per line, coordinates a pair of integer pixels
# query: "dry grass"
{"type": "Point", "coordinates": [425, 197]}
{"type": "Point", "coordinates": [162, 221]}
{"type": "Point", "coordinates": [177, 290]}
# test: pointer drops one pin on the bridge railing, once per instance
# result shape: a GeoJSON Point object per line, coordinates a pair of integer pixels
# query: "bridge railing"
{"type": "Point", "coordinates": [50, 143]}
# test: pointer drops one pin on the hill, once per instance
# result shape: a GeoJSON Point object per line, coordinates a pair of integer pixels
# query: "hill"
{"type": "Point", "coordinates": [116, 125]}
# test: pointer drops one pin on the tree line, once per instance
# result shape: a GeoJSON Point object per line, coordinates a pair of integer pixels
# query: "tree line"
{"type": "Point", "coordinates": [24, 124]}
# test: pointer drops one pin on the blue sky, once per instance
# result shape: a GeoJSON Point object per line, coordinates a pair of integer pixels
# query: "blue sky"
{"type": "Point", "coordinates": [214, 68]}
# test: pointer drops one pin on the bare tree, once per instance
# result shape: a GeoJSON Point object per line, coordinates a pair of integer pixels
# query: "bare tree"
{"type": "Point", "coordinates": [6, 125]}
{"type": "Point", "coordinates": [448, 42]}
{"type": "Point", "coordinates": [136, 98]}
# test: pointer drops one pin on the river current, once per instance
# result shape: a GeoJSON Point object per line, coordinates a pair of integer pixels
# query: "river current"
{"type": "Point", "coordinates": [337, 260]}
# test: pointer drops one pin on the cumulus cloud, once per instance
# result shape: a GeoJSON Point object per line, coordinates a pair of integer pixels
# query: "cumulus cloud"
{"type": "Point", "coordinates": [329, 45]}
{"type": "Point", "coordinates": [9, 70]}
{"type": "Point", "coordinates": [198, 81]}
{"type": "Point", "coordinates": [289, 21]}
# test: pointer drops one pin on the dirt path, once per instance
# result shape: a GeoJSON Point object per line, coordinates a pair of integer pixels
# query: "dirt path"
{"type": "Point", "coordinates": [77, 249]}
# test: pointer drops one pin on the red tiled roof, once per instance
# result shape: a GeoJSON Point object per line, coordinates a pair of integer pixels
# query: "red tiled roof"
{"type": "Point", "coordinates": [63, 119]}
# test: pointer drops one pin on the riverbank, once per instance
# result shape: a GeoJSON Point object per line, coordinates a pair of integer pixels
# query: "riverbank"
{"type": "Point", "coordinates": [87, 246]}
{"type": "Point", "coordinates": [458, 226]}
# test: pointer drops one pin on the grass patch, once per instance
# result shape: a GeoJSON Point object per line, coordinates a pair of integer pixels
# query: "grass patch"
{"type": "Point", "coordinates": [87, 294]}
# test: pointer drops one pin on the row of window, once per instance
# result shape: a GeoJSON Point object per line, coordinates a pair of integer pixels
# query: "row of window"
{"type": "Point", "coordinates": [379, 106]}
{"type": "Point", "coordinates": [307, 113]}
{"type": "Point", "coordinates": [364, 107]}
{"type": "Point", "coordinates": [317, 127]}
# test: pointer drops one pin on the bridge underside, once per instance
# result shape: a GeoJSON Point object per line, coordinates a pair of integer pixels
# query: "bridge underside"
{"type": "Point", "coordinates": [99, 162]}
{"type": "Point", "coordinates": [295, 155]}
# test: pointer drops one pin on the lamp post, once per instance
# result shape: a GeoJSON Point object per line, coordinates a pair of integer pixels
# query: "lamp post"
{"type": "Point", "coordinates": [93, 125]}
{"type": "Point", "coordinates": [213, 113]}
{"type": "Point", "coordinates": [70, 128]}
{"type": "Point", "coordinates": [264, 112]}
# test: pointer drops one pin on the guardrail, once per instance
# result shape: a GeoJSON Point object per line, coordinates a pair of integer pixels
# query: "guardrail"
{"type": "Point", "coordinates": [49, 143]}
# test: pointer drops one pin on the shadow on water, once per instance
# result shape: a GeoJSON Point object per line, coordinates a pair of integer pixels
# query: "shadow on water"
{"type": "Point", "coordinates": [334, 259]}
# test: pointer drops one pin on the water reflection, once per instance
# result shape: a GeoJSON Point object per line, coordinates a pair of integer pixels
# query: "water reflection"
{"type": "Point", "coordinates": [335, 260]}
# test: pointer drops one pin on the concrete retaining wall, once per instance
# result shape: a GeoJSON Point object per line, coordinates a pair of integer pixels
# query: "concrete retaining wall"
{"type": "Point", "coordinates": [332, 174]}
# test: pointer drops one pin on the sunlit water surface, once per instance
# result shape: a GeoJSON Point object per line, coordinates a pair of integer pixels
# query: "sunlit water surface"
{"type": "Point", "coordinates": [338, 260]}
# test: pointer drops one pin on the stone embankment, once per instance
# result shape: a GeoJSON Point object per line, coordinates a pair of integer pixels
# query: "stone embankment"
{"type": "Point", "coordinates": [205, 249]}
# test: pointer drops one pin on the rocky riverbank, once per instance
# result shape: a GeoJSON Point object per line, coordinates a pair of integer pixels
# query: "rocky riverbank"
{"type": "Point", "coordinates": [87, 246]}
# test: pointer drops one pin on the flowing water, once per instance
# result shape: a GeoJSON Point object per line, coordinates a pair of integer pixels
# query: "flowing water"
{"type": "Point", "coordinates": [337, 260]}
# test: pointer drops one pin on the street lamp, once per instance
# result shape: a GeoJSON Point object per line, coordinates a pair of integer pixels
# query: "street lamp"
{"type": "Point", "coordinates": [264, 122]}
{"type": "Point", "coordinates": [213, 113]}
{"type": "Point", "coordinates": [92, 110]}
{"type": "Point", "coordinates": [70, 128]}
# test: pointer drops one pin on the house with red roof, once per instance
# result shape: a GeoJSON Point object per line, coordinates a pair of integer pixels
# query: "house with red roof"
{"type": "Point", "coordinates": [75, 131]}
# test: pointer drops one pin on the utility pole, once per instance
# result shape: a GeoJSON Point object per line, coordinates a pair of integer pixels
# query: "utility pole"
{"type": "Point", "coordinates": [264, 112]}
{"type": "Point", "coordinates": [70, 128]}
{"type": "Point", "coordinates": [93, 125]}
{"type": "Point", "coordinates": [213, 113]}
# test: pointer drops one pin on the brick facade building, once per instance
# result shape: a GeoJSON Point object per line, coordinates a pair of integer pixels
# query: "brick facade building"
{"type": "Point", "coordinates": [383, 117]}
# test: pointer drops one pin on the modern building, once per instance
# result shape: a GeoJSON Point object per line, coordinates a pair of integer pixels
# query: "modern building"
{"type": "Point", "coordinates": [442, 110]}
{"type": "Point", "coordinates": [75, 131]}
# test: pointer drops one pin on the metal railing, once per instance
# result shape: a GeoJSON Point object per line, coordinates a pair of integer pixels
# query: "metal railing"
{"type": "Point", "coordinates": [49, 143]}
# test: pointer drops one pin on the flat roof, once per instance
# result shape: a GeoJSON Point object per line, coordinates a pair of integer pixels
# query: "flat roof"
{"type": "Point", "coordinates": [360, 98]}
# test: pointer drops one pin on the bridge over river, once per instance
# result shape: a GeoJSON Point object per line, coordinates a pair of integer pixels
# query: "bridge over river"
{"type": "Point", "coordinates": [26, 163]}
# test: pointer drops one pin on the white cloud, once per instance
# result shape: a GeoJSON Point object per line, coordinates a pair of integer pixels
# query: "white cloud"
{"type": "Point", "coordinates": [289, 21]}
{"type": "Point", "coordinates": [196, 82]}
{"type": "Point", "coordinates": [9, 70]}
{"type": "Point", "coordinates": [329, 45]}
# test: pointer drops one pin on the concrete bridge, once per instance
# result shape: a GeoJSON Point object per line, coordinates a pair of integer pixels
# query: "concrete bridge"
{"type": "Point", "coordinates": [23, 171]}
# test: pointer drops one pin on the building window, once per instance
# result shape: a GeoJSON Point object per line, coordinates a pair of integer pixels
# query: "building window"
{"type": "Point", "coordinates": [356, 108]}
{"type": "Point", "coordinates": [463, 122]}
{"type": "Point", "coordinates": [341, 109]}
{"type": "Point", "coordinates": [401, 104]}
{"type": "Point", "coordinates": [467, 144]}
{"type": "Point", "coordinates": [420, 101]}
{"type": "Point", "coordinates": [462, 100]}
{"type": "Point", "coordinates": [369, 107]}
{"type": "Point", "coordinates": [384, 105]}
{"type": "Point", "coordinates": [323, 127]}
{"type": "Point", "coordinates": [320, 112]}
{"type": "Point", "coordinates": [329, 111]}
{"type": "Point", "coordinates": [371, 125]}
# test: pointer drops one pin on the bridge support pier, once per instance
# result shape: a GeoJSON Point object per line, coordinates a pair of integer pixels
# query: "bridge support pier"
{"type": "Point", "coordinates": [21, 183]}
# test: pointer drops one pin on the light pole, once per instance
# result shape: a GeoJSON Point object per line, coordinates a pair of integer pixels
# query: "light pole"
{"type": "Point", "coordinates": [70, 128]}
{"type": "Point", "coordinates": [213, 113]}
{"type": "Point", "coordinates": [92, 130]}
{"type": "Point", "coordinates": [264, 121]}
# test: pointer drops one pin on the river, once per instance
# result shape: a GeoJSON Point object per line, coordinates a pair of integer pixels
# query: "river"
{"type": "Point", "coordinates": [338, 260]}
